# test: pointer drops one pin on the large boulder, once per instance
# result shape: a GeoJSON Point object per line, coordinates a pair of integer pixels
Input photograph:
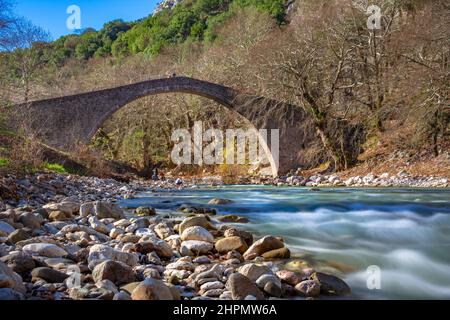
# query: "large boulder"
{"type": "Point", "coordinates": [117, 272]}
{"type": "Point", "coordinates": [44, 249]}
{"type": "Point", "coordinates": [104, 210]}
{"type": "Point", "coordinates": [10, 279]}
{"type": "Point", "coordinates": [242, 287]}
{"type": "Point", "coordinates": [263, 245]}
{"type": "Point", "coordinates": [197, 233]}
{"type": "Point", "coordinates": [231, 243]}
{"type": "Point", "coordinates": [152, 289]}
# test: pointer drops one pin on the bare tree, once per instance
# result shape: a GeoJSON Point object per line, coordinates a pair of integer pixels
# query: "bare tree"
{"type": "Point", "coordinates": [26, 43]}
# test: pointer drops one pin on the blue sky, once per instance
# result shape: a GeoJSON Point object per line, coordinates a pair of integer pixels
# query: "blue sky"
{"type": "Point", "coordinates": [51, 14]}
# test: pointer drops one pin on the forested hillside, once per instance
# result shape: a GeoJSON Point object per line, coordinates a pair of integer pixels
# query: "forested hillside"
{"type": "Point", "coordinates": [317, 55]}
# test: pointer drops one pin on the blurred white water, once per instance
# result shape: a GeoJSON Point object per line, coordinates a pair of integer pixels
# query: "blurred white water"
{"type": "Point", "coordinates": [406, 232]}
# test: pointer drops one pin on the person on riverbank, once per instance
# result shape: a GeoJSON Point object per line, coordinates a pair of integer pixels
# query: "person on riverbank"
{"type": "Point", "coordinates": [155, 174]}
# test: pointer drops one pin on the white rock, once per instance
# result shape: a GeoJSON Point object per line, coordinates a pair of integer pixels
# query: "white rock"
{"type": "Point", "coordinates": [44, 249]}
{"type": "Point", "coordinates": [144, 232]}
{"type": "Point", "coordinates": [195, 247]}
{"type": "Point", "coordinates": [101, 252]}
{"type": "Point", "coordinates": [197, 233]}
{"type": "Point", "coordinates": [212, 285]}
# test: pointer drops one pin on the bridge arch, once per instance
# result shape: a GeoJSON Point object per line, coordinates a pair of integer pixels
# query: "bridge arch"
{"type": "Point", "coordinates": [61, 122]}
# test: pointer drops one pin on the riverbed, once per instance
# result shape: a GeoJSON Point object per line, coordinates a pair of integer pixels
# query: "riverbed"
{"type": "Point", "coordinates": [403, 232]}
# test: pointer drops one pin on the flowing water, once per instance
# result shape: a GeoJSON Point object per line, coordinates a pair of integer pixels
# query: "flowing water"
{"type": "Point", "coordinates": [405, 232]}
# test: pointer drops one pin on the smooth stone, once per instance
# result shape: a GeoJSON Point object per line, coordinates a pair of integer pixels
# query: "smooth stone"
{"type": "Point", "coordinates": [235, 232]}
{"type": "Point", "coordinates": [31, 220]}
{"type": "Point", "coordinates": [218, 201]}
{"type": "Point", "coordinates": [282, 253]}
{"type": "Point", "coordinates": [86, 209]}
{"type": "Point", "coordinates": [289, 277]}
{"type": "Point", "coordinates": [200, 221]}
{"type": "Point", "coordinates": [5, 229]}
{"type": "Point", "coordinates": [195, 247]}
{"type": "Point", "coordinates": [152, 289]}
{"type": "Point", "coordinates": [211, 285]}
{"type": "Point", "coordinates": [330, 284]}
{"type": "Point", "coordinates": [253, 271]}
{"type": "Point", "coordinates": [10, 279]}
{"type": "Point", "coordinates": [49, 275]}
{"type": "Point", "coordinates": [273, 289]}
{"type": "Point", "coordinates": [263, 245]}
{"type": "Point", "coordinates": [266, 278]}
{"type": "Point", "coordinates": [60, 216]}
{"type": "Point", "coordinates": [197, 233]}
{"type": "Point", "coordinates": [122, 295]}
{"type": "Point", "coordinates": [241, 287]}
{"type": "Point", "coordinates": [107, 210]}
{"type": "Point", "coordinates": [129, 287]}
{"type": "Point", "coordinates": [164, 230]}
{"type": "Point", "coordinates": [8, 294]}
{"type": "Point", "coordinates": [67, 207]}
{"type": "Point", "coordinates": [161, 247]}
{"type": "Point", "coordinates": [232, 218]}
{"type": "Point", "coordinates": [44, 249]}
{"type": "Point", "coordinates": [308, 288]}
{"type": "Point", "coordinates": [197, 210]}
{"type": "Point", "coordinates": [202, 260]}
{"type": "Point", "coordinates": [117, 272]}
{"type": "Point", "coordinates": [145, 212]}
{"type": "Point", "coordinates": [18, 235]}
{"type": "Point", "coordinates": [108, 285]}
{"type": "Point", "coordinates": [101, 252]}
{"type": "Point", "coordinates": [19, 262]}
{"type": "Point", "coordinates": [231, 243]}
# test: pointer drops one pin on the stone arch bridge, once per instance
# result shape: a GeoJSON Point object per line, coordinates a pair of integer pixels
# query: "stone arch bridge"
{"type": "Point", "coordinates": [64, 121]}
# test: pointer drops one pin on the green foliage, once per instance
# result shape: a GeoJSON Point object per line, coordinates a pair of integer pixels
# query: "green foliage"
{"type": "Point", "coordinates": [55, 167]}
{"type": "Point", "coordinates": [191, 20]}
{"type": "Point", "coordinates": [3, 162]}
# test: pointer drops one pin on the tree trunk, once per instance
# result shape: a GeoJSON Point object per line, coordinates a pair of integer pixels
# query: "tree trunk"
{"type": "Point", "coordinates": [335, 154]}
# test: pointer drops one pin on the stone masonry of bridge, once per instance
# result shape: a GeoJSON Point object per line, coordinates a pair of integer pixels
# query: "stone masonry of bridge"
{"type": "Point", "coordinates": [64, 121]}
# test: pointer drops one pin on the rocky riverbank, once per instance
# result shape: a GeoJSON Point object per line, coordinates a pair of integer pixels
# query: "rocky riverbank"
{"type": "Point", "coordinates": [62, 237]}
{"type": "Point", "coordinates": [400, 180]}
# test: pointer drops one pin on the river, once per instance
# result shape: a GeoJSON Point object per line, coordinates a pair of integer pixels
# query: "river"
{"type": "Point", "coordinates": [404, 232]}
